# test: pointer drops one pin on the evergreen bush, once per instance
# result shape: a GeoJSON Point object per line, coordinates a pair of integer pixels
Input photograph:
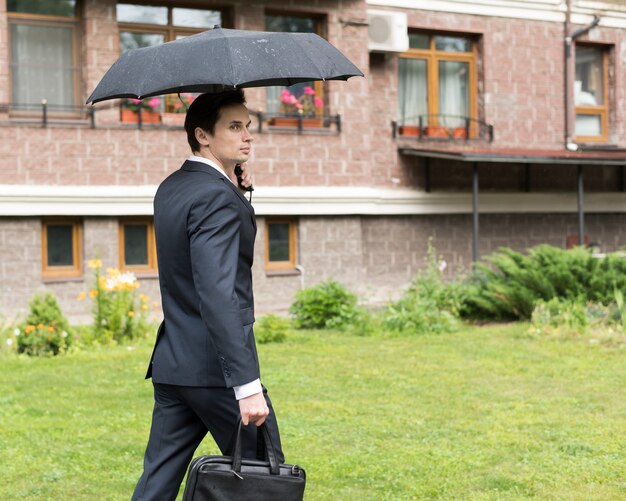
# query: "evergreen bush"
{"type": "Point", "coordinates": [510, 284]}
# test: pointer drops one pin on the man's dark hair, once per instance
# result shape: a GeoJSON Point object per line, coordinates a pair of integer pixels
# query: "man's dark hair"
{"type": "Point", "coordinates": [204, 112]}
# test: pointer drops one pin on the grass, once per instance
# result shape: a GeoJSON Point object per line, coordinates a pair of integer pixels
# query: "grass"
{"type": "Point", "coordinates": [486, 413]}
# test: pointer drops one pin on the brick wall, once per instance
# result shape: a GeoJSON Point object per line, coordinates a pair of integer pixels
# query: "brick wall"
{"type": "Point", "coordinates": [520, 86]}
{"type": "Point", "coordinates": [379, 256]}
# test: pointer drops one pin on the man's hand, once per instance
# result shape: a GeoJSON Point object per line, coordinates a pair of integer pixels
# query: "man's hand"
{"type": "Point", "coordinates": [246, 178]}
{"type": "Point", "coordinates": [253, 409]}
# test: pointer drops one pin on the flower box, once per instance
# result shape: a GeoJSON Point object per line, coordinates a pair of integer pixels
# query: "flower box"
{"type": "Point", "coordinates": [147, 116]}
{"type": "Point", "coordinates": [292, 122]}
{"type": "Point", "coordinates": [437, 131]}
{"type": "Point", "coordinates": [459, 133]}
{"type": "Point", "coordinates": [409, 130]}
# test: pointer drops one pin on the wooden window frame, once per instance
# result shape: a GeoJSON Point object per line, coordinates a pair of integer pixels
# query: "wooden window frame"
{"type": "Point", "coordinates": [76, 270]}
{"type": "Point", "coordinates": [169, 30]}
{"type": "Point", "coordinates": [603, 110]}
{"type": "Point", "coordinates": [320, 29]}
{"type": "Point", "coordinates": [293, 260]}
{"type": "Point", "coordinates": [51, 21]}
{"type": "Point", "coordinates": [432, 56]}
{"type": "Point", "coordinates": [151, 267]}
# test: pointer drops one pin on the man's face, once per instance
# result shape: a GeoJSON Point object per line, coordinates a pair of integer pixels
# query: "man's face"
{"type": "Point", "coordinates": [230, 144]}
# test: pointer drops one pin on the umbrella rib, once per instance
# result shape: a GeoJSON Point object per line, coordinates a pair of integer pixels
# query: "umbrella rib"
{"type": "Point", "coordinates": [230, 60]}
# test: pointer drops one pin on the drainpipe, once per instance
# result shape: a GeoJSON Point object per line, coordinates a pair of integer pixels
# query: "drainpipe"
{"type": "Point", "coordinates": [570, 71]}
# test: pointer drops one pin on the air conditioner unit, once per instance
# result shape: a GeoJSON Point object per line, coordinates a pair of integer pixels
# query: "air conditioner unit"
{"type": "Point", "coordinates": [388, 31]}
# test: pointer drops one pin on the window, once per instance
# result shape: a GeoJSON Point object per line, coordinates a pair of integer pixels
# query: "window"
{"type": "Point", "coordinates": [148, 25]}
{"type": "Point", "coordinates": [437, 81]}
{"type": "Point", "coordinates": [280, 244]}
{"type": "Point", "coordinates": [44, 54]}
{"type": "Point", "coordinates": [137, 246]}
{"type": "Point", "coordinates": [590, 93]}
{"type": "Point", "coordinates": [277, 102]}
{"type": "Point", "coordinates": [61, 248]}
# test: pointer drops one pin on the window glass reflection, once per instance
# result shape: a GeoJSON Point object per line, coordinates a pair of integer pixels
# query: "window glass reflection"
{"type": "Point", "coordinates": [589, 84]}
{"type": "Point", "coordinates": [144, 14]}
{"type": "Point", "coordinates": [65, 8]}
{"type": "Point", "coordinates": [278, 241]}
{"type": "Point", "coordinates": [196, 18]}
{"type": "Point", "coordinates": [453, 44]}
{"type": "Point", "coordinates": [130, 40]}
{"type": "Point", "coordinates": [60, 248]}
{"type": "Point", "coordinates": [135, 244]}
{"type": "Point", "coordinates": [418, 41]}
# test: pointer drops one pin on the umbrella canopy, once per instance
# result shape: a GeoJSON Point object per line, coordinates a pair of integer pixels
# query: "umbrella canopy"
{"type": "Point", "coordinates": [222, 58]}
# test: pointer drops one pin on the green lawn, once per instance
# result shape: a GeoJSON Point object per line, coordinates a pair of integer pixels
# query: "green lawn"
{"type": "Point", "coordinates": [483, 414]}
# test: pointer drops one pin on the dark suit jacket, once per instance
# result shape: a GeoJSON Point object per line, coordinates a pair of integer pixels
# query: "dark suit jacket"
{"type": "Point", "coordinates": [205, 230]}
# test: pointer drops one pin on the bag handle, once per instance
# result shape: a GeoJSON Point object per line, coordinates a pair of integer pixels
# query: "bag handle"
{"type": "Point", "coordinates": [263, 437]}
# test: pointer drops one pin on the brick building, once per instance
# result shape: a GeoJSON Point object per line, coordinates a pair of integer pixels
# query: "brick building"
{"type": "Point", "coordinates": [470, 112]}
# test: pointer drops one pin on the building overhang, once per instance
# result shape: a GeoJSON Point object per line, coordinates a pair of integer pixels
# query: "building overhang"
{"type": "Point", "coordinates": [520, 156]}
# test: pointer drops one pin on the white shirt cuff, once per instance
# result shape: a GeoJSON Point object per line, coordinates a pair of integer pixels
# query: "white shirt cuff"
{"type": "Point", "coordinates": [245, 390]}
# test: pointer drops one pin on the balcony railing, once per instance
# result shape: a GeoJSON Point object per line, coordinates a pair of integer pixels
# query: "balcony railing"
{"type": "Point", "coordinates": [442, 127]}
{"type": "Point", "coordinates": [299, 122]}
{"type": "Point", "coordinates": [45, 115]}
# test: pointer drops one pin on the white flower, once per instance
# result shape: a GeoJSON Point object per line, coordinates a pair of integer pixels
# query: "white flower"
{"type": "Point", "coordinates": [64, 334]}
{"type": "Point", "coordinates": [16, 332]}
{"type": "Point", "coordinates": [442, 265]}
{"type": "Point", "coordinates": [127, 278]}
{"type": "Point", "coordinates": [9, 342]}
{"type": "Point", "coordinates": [111, 283]}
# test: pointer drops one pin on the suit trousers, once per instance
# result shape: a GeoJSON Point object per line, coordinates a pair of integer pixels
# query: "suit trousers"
{"type": "Point", "coordinates": [181, 418]}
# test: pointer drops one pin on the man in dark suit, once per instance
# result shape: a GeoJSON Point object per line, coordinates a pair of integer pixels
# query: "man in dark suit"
{"type": "Point", "coordinates": [204, 368]}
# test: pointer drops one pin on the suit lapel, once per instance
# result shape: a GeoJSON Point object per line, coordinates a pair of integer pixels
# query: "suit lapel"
{"type": "Point", "coordinates": [190, 165]}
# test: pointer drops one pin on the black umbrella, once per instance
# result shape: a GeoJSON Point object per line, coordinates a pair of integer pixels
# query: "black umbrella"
{"type": "Point", "coordinates": [222, 58]}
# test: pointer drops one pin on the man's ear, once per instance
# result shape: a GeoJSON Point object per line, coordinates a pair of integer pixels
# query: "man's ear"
{"type": "Point", "coordinates": [201, 136]}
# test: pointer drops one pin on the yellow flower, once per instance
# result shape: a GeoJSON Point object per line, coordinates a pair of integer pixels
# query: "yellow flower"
{"type": "Point", "coordinates": [93, 293]}
{"type": "Point", "coordinates": [40, 326]}
{"type": "Point", "coordinates": [81, 296]}
{"type": "Point", "coordinates": [50, 329]}
{"type": "Point", "coordinates": [29, 329]}
{"type": "Point", "coordinates": [94, 263]}
{"type": "Point", "coordinates": [143, 298]}
{"type": "Point", "coordinates": [113, 271]}
{"type": "Point", "coordinates": [144, 307]}
{"type": "Point", "coordinates": [131, 313]}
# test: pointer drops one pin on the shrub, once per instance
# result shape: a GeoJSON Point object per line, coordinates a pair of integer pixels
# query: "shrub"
{"type": "Point", "coordinates": [326, 305]}
{"type": "Point", "coordinates": [271, 329]}
{"type": "Point", "coordinates": [428, 306]}
{"type": "Point", "coordinates": [566, 318]}
{"type": "Point", "coordinates": [511, 284]}
{"type": "Point", "coordinates": [45, 331]}
{"type": "Point", "coordinates": [119, 312]}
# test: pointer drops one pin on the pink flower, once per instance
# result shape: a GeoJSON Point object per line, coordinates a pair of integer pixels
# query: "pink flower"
{"type": "Point", "coordinates": [136, 101]}
{"type": "Point", "coordinates": [317, 102]}
{"type": "Point", "coordinates": [154, 102]}
{"type": "Point", "coordinates": [309, 91]}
